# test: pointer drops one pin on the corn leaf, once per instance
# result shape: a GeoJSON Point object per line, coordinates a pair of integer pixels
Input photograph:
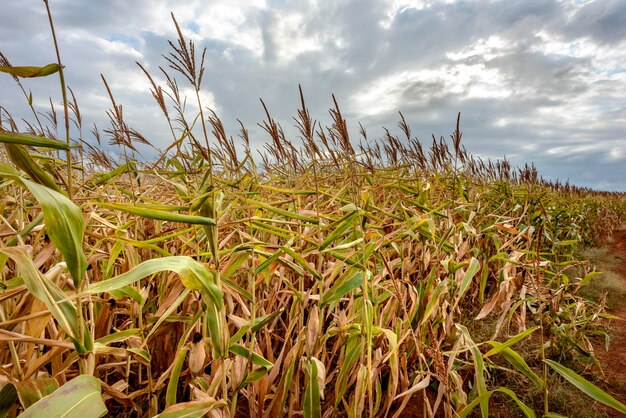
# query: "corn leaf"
{"type": "Point", "coordinates": [172, 386]}
{"type": "Point", "coordinates": [78, 398]}
{"type": "Point", "coordinates": [193, 274]}
{"type": "Point", "coordinates": [312, 405]}
{"type": "Point", "coordinates": [258, 360]}
{"type": "Point", "coordinates": [351, 355]}
{"type": "Point", "coordinates": [479, 371]}
{"type": "Point", "coordinates": [528, 412]}
{"type": "Point", "coordinates": [192, 409]}
{"type": "Point", "coordinates": [29, 72]}
{"type": "Point", "coordinates": [341, 288]}
{"type": "Point", "coordinates": [255, 325]}
{"type": "Point", "coordinates": [63, 220]}
{"type": "Point", "coordinates": [586, 386]}
{"type": "Point", "coordinates": [498, 347]}
{"type": "Point", "coordinates": [45, 290]}
{"type": "Point", "coordinates": [101, 178]}
{"type": "Point", "coordinates": [30, 391]}
{"type": "Point", "coordinates": [282, 212]}
{"type": "Point", "coordinates": [32, 140]}
{"type": "Point", "coordinates": [517, 361]}
{"type": "Point", "coordinates": [65, 226]}
{"type": "Point", "coordinates": [160, 215]}
{"type": "Point", "coordinates": [469, 275]}
{"type": "Point", "coordinates": [8, 396]}
{"type": "Point", "coordinates": [22, 160]}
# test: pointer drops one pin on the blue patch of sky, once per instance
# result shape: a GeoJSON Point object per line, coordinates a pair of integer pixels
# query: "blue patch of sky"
{"type": "Point", "coordinates": [617, 70]}
{"type": "Point", "coordinates": [193, 26]}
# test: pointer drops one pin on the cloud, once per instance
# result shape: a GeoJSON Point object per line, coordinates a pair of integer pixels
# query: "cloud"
{"type": "Point", "coordinates": [534, 80]}
{"type": "Point", "coordinates": [603, 21]}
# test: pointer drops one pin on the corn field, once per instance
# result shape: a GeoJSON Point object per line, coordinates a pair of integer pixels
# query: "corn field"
{"type": "Point", "coordinates": [328, 275]}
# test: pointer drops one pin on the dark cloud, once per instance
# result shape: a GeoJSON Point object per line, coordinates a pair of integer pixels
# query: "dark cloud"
{"type": "Point", "coordinates": [603, 21]}
{"type": "Point", "coordinates": [535, 80]}
{"type": "Point", "coordinates": [551, 75]}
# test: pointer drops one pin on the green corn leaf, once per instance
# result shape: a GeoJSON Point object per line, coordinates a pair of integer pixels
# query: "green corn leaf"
{"type": "Point", "coordinates": [484, 398]}
{"type": "Point", "coordinates": [209, 209]}
{"type": "Point", "coordinates": [101, 178]}
{"type": "Point", "coordinates": [129, 291]}
{"type": "Point", "coordinates": [119, 336]}
{"type": "Point", "coordinates": [312, 405]}
{"type": "Point", "coordinates": [589, 277]}
{"type": "Point", "coordinates": [45, 290]}
{"type": "Point", "coordinates": [255, 325]}
{"type": "Point", "coordinates": [528, 412]}
{"type": "Point", "coordinates": [172, 386]}
{"type": "Point", "coordinates": [267, 226]}
{"type": "Point", "coordinates": [29, 72]}
{"type": "Point", "coordinates": [65, 226]}
{"type": "Point", "coordinates": [142, 353]}
{"type": "Point", "coordinates": [338, 229]}
{"type": "Point", "coordinates": [169, 311]}
{"type": "Point", "coordinates": [469, 275]}
{"type": "Point", "coordinates": [161, 215]}
{"type": "Point", "coordinates": [351, 355]}
{"type": "Point", "coordinates": [268, 262]}
{"type": "Point", "coordinates": [8, 396]}
{"type": "Point", "coordinates": [341, 288]}
{"type": "Point", "coordinates": [63, 220]}
{"type": "Point", "coordinates": [479, 370]}
{"type": "Point", "coordinates": [517, 361]}
{"type": "Point", "coordinates": [282, 212]}
{"type": "Point", "coordinates": [192, 409]}
{"type": "Point", "coordinates": [22, 160]}
{"type": "Point", "coordinates": [78, 398]}
{"type": "Point", "coordinates": [256, 359]}
{"type": "Point", "coordinates": [235, 261]}
{"type": "Point", "coordinates": [297, 258]}
{"type": "Point", "coordinates": [30, 391]}
{"type": "Point", "coordinates": [433, 302]}
{"type": "Point", "coordinates": [587, 387]}
{"type": "Point", "coordinates": [31, 140]}
{"type": "Point", "coordinates": [264, 366]}
{"type": "Point", "coordinates": [498, 347]}
{"type": "Point", "coordinates": [216, 324]}
{"type": "Point", "coordinates": [193, 274]}
{"type": "Point", "coordinates": [235, 287]}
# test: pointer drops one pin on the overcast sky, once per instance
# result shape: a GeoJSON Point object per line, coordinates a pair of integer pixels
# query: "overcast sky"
{"type": "Point", "coordinates": [535, 80]}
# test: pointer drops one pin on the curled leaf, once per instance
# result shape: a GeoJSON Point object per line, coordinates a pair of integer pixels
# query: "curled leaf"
{"type": "Point", "coordinates": [29, 72]}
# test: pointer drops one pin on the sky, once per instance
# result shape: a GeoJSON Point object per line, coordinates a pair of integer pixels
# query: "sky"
{"type": "Point", "coordinates": [540, 81]}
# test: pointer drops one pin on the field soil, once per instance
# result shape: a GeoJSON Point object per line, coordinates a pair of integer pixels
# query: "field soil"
{"type": "Point", "coordinates": [613, 361]}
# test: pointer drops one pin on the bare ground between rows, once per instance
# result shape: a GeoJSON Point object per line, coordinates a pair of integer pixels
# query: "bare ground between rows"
{"type": "Point", "coordinates": [613, 361]}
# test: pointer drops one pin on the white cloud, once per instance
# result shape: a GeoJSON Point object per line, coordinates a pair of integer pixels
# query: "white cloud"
{"type": "Point", "coordinates": [229, 22]}
{"type": "Point", "coordinates": [485, 49]}
{"type": "Point", "coordinates": [398, 6]}
{"type": "Point", "coordinates": [387, 94]}
{"type": "Point", "coordinates": [105, 46]}
{"type": "Point", "coordinates": [290, 39]}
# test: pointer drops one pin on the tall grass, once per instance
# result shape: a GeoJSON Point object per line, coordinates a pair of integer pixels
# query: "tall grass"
{"type": "Point", "coordinates": [324, 278]}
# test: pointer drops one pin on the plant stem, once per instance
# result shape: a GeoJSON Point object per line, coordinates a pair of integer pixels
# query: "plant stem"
{"type": "Point", "coordinates": [65, 104]}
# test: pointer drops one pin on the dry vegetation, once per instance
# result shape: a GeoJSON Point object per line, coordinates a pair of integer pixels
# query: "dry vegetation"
{"type": "Point", "coordinates": [324, 278]}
